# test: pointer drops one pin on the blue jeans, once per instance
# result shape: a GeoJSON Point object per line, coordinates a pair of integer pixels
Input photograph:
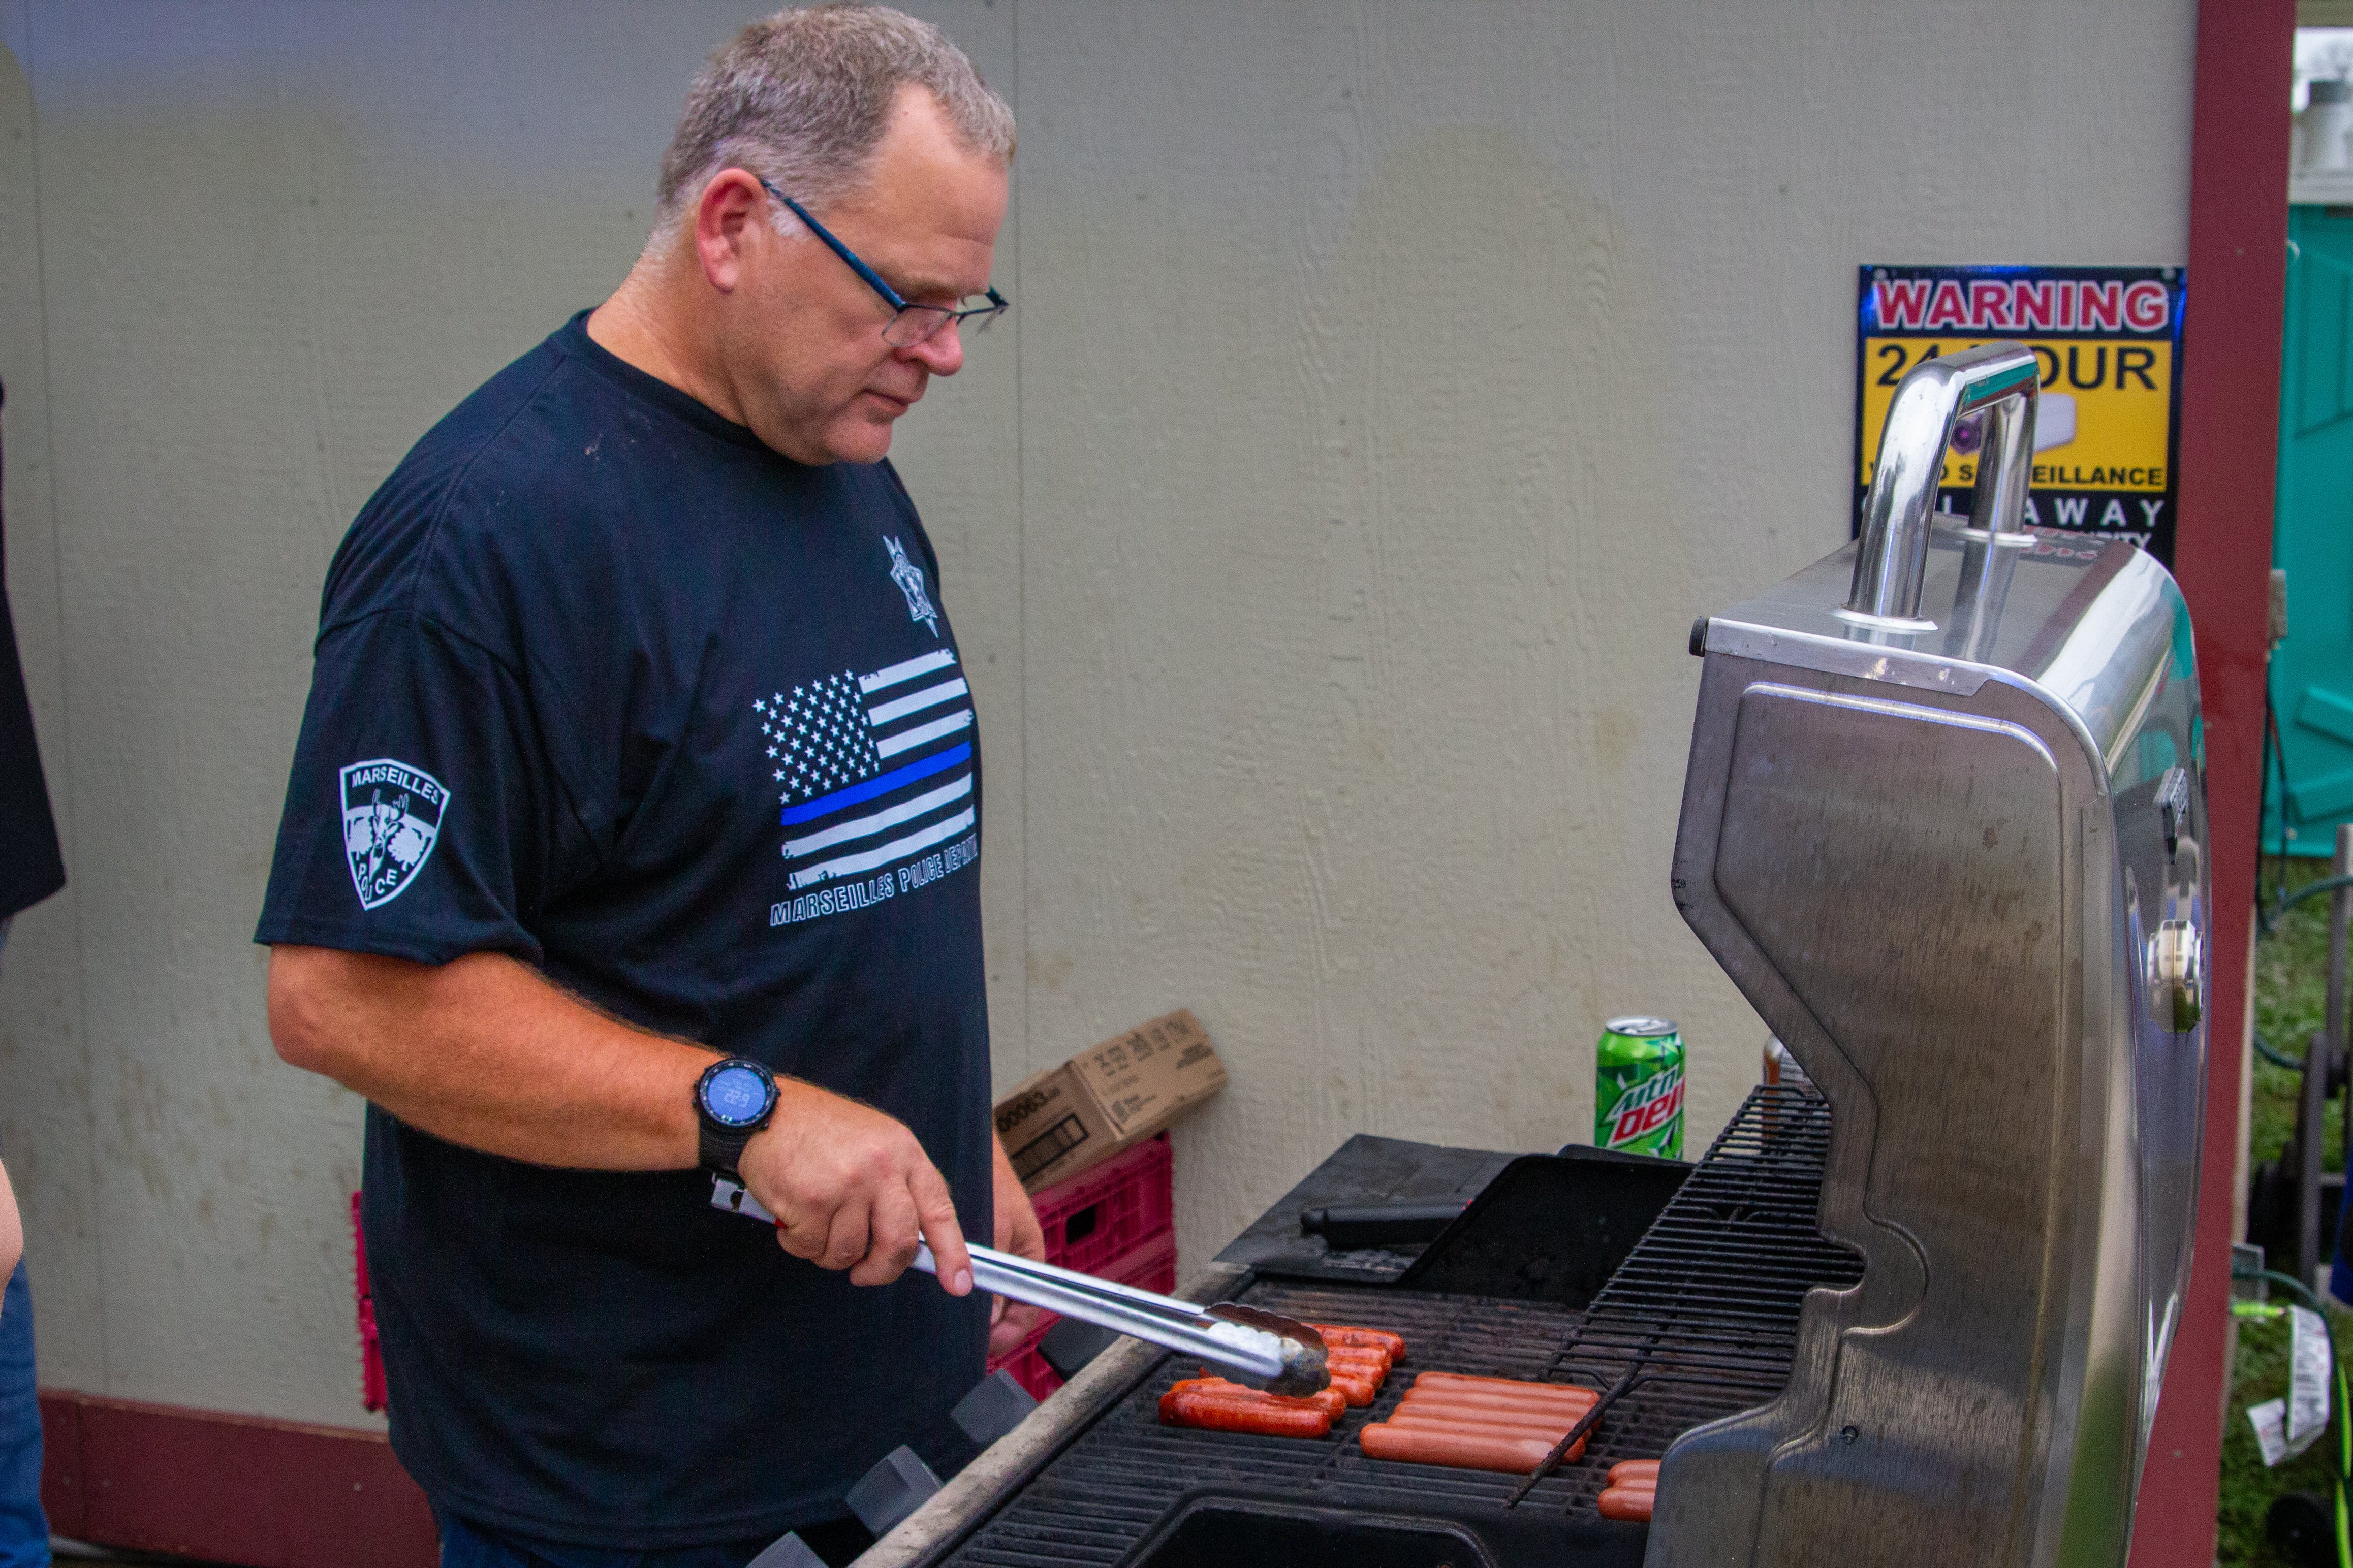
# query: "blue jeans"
{"type": "Point", "coordinates": [465, 1545]}
{"type": "Point", "coordinates": [23, 1529]}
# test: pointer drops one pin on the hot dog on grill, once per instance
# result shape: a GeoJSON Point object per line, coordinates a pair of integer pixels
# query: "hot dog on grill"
{"type": "Point", "coordinates": [1357, 1374]}
{"type": "Point", "coordinates": [1499, 1409]}
{"type": "Point", "coordinates": [1511, 1386]}
{"type": "Point", "coordinates": [1550, 1429]}
{"type": "Point", "coordinates": [1464, 1399]}
{"type": "Point", "coordinates": [1479, 1422]}
{"type": "Point", "coordinates": [1560, 1413]}
{"type": "Point", "coordinates": [1329, 1400]}
{"type": "Point", "coordinates": [1630, 1471]}
{"type": "Point", "coordinates": [1215, 1412]}
{"type": "Point", "coordinates": [1357, 1360]}
{"type": "Point", "coordinates": [1633, 1503]}
{"type": "Point", "coordinates": [1549, 1394]}
{"type": "Point", "coordinates": [1338, 1334]}
{"type": "Point", "coordinates": [1544, 1436]}
{"type": "Point", "coordinates": [1461, 1446]}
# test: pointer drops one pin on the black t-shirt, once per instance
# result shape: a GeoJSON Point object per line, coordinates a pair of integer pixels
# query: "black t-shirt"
{"type": "Point", "coordinates": [30, 869]}
{"type": "Point", "coordinates": [604, 683]}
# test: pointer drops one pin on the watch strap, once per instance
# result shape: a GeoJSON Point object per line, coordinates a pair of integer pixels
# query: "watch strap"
{"type": "Point", "coordinates": [721, 1148]}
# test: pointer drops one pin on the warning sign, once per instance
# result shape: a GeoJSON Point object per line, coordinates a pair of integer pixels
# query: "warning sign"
{"type": "Point", "coordinates": [2109, 340]}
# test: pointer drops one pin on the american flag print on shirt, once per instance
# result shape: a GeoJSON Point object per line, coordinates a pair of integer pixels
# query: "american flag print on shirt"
{"type": "Point", "coordinates": [870, 770]}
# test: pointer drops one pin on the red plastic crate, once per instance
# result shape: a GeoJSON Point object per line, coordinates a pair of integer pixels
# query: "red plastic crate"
{"type": "Point", "coordinates": [1153, 1269]}
{"type": "Point", "coordinates": [372, 1396]}
{"type": "Point", "coordinates": [1111, 1213]}
{"type": "Point", "coordinates": [1116, 1222]}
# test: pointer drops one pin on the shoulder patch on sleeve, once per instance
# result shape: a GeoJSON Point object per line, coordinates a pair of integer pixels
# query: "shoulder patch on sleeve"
{"type": "Point", "coordinates": [391, 819]}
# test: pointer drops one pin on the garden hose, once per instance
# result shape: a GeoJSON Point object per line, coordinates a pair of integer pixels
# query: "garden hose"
{"type": "Point", "coordinates": [2276, 1056]}
{"type": "Point", "coordinates": [2269, 922]}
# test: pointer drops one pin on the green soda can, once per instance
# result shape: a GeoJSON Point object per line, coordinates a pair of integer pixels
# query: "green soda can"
{"type": "Point", "coordinates": [1637, 1088]}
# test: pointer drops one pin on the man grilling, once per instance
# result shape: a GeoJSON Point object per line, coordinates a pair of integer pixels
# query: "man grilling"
{"type": "Point", "coordinates": [683, 876]}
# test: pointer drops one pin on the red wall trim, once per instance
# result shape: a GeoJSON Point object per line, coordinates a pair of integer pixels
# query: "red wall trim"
{"type": "Point", "coordinates": [62, 1491]}
{"type": "Point", "coordinates": [230, 1489]}
{"type": "Point", "coordinates": [2222, 556]}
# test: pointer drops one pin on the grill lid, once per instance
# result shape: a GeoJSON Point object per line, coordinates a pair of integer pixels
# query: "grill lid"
{"type": "Point", "coordinates": [1950, 844]}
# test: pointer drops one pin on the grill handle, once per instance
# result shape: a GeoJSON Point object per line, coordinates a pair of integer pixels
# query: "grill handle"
{"type": "Point", "coordinates": [2002, 378]}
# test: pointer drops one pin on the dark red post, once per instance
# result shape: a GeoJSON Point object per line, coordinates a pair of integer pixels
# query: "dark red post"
{"type": "Point", "coordinates": [2222, 556]}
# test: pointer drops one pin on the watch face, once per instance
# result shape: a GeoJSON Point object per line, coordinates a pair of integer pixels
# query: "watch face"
{"type": "Point", "coordinates": [735, 1096]}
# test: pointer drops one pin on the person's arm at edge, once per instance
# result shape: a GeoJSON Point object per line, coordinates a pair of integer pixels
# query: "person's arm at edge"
{"type": "Point", "coordinates": [12, 1228]}
{"type": "Point", "coordinates": [485, 1052]}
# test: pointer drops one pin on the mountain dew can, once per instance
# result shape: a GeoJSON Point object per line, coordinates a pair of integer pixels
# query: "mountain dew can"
{"type": "Point", "coordinates": [1637, 1088]}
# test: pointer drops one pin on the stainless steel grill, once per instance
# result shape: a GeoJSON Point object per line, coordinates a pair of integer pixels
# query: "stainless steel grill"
{"type": "Point", "coordinates": [1944, 824]}
{"type": "Point", "coordinates": [1698, 1322]}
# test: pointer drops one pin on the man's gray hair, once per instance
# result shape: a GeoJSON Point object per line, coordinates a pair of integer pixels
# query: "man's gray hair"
{"type": "Point", "coordinates": [803, 97]}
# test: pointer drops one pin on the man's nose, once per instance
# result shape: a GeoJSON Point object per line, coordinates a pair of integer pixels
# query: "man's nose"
{"type": "Point", "coordinates": [941, 354]}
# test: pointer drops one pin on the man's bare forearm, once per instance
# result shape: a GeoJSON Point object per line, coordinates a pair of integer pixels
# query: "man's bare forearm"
{"type": "Point", "coordinates": [484, 1051]}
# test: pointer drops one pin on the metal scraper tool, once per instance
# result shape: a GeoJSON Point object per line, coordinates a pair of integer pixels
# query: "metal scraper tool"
{"type": "Point", "coordinates": [1256, 1347]}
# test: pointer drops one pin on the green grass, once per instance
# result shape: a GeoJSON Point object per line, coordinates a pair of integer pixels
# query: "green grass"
{"type": "Point", "coordinates": [2291, 981]}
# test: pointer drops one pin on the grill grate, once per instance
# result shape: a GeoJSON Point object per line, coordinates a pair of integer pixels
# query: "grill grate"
{"type": "Point", "coordinates": [1699, 1322]}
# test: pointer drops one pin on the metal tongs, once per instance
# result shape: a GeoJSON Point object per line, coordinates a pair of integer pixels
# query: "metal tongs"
{"type": "Point", "coordinates": [1254, 1347]}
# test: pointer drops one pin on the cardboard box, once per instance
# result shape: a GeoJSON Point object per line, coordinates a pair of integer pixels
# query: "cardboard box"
{"type": "Point", "coordinates": [1060, 1122]}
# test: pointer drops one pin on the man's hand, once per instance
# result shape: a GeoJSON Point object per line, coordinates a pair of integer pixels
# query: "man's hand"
{"type": "Point", "coordinates": [851, 1188]}
{"type": "Point", "coordinates": [1010, 1322]}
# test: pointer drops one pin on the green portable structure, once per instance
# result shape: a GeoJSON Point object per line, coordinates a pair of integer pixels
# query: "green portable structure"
{"type": "Point", "coordinates": [2311, 541]}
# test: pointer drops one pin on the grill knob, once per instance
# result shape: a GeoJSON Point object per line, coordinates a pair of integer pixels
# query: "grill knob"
{"type": "Point", "coordinates": [2176, 961]}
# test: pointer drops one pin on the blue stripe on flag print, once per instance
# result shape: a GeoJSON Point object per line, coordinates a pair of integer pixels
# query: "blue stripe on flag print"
{"type": "Point", "coordinates": [830, 742]}
{"type": "Point", "coordinates": [857, 794]}
{"type": "Point", "coordinates": [888, 816]}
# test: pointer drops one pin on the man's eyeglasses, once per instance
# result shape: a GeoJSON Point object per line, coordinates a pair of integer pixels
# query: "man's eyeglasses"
{"type": "Point", "coordinates": [909, 324]}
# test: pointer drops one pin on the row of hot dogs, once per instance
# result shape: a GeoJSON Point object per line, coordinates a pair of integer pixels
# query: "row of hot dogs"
{"type": "Point", "coordinates": [1445, 1417]}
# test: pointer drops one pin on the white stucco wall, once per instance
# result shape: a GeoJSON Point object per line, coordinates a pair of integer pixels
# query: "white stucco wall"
{"type": "Point", "coordinates": [1388, 387]}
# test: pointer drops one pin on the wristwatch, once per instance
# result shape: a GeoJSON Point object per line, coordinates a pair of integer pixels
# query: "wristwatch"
{"type": "Point", "coordinates": [733, 1099]}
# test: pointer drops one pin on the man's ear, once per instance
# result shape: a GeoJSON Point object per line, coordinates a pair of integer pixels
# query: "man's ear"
{"type": "Point", "coordinates": [729, 207]}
